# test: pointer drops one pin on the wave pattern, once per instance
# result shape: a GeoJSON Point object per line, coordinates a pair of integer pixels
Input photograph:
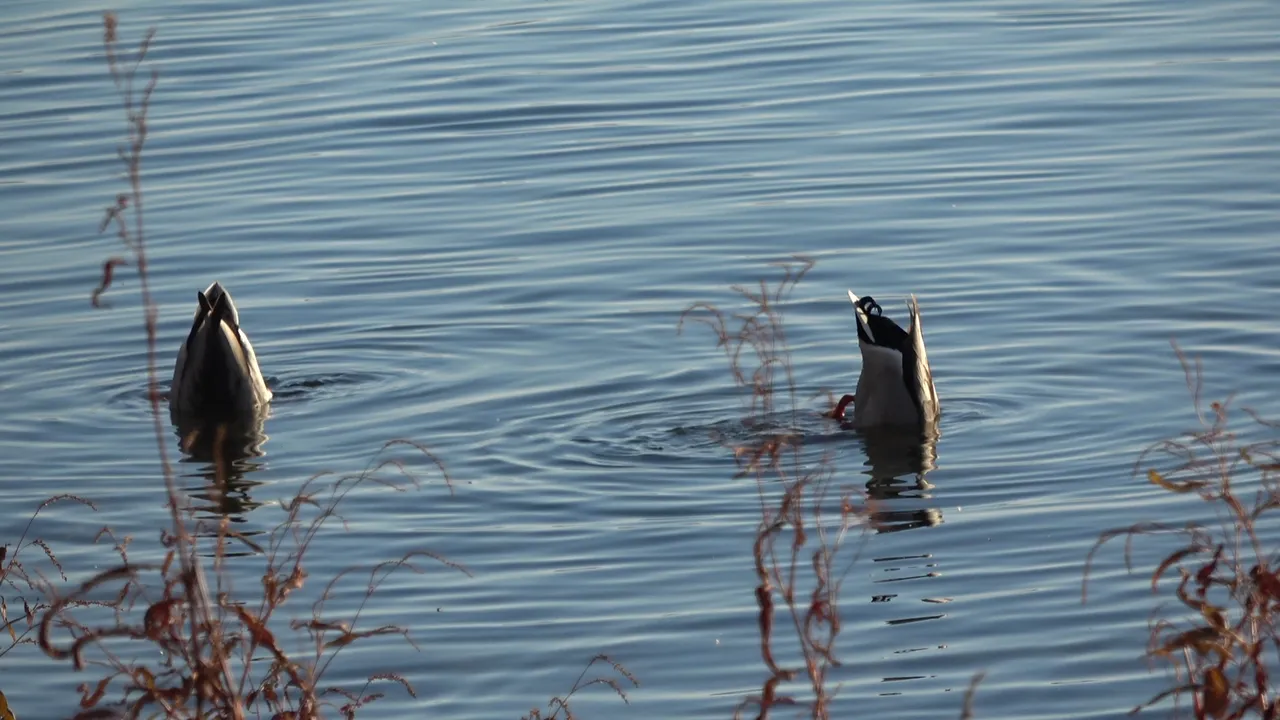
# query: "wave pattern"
{"type": "Point", "coordinates": [475, 225]}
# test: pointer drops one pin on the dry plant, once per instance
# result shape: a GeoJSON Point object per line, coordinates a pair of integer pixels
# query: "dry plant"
{"type": "Point", "coordinates": [1221, 639]}
{"type": "Point", "coordinates": [24, 578]}
{"type": "Point", "coordinates": [216, 654]}
{"type": "Point", "coordinates": [966, 708]}
{"type": "Point", "coordinates": [560, 704]}
{"type": "Point", "coordinates": [797, 496]}
{"type": "Point", "coordinates": [209, 653]}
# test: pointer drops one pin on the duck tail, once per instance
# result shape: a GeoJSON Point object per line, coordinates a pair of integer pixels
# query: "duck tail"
{"type": "Point", "coordinates": [923, 372]}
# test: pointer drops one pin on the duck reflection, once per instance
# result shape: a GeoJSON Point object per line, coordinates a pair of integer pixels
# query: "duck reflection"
{"type": "Point", "coordinates": [900, 498]}
{"type": "Point", "coordinates": [898, 463]}
{"type": "Point", "coordinates": [225, 453]}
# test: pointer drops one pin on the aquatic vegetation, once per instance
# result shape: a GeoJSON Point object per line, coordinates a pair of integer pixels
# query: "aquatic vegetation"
{"type": "Point", "coordinates": [1221, 640]}
{"type": "Point", "coordinates": [26, 580]}
{"type": "Point", "coordinates": [217, 653]}
{"type": "Point", "coordinates": [798, 579]}
{"type": "Point", "coordinates": [560, 703]}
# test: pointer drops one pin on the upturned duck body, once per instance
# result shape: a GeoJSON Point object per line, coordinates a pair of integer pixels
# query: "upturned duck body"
{"type": "Point", "coordinates": [216, 377]}
{"type": "Point", "coordinates": [895, 386]}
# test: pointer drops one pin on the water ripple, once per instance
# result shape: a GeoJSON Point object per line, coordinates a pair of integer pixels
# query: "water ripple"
{"type": "Point", "coordinates": [476, 226]}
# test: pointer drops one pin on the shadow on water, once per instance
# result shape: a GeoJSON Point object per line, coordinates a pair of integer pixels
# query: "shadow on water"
{"type": "Point", "coordinates": [898, 499]}
{"type": "Point", "coordinates": [221, 458]}
{"type": "Point", "coordinates": [315, 387]}
{"type": "Point", "coordinates": [898, 464]}
{"type": "Point", "coordinates": [223, 454]}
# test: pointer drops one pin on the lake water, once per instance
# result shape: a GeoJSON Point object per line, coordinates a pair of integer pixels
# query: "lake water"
{"type": "Point", "coordinates": [476, 224]}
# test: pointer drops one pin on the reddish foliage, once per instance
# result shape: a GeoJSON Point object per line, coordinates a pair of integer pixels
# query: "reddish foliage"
{"type": "Point", "coordinates": [1219, 646]}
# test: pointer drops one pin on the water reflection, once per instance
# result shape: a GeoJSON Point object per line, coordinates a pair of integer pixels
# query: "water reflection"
{"type": "Point", "coordinates": [900, 499]}
{"type": "Point", "coordinates": [225, 454]}
{"type": "Point", "coordinates": [898, 464]}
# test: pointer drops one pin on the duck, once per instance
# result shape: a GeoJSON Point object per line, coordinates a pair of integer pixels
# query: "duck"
{"type": "Point", "coordinates": [216, 377]}
{"type": "Point", "coordinates": [895, 386]}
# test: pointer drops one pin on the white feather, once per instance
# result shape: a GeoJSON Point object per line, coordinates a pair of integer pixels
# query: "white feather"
{"type": "Point", "coordinates": [925, 389]}
{"type": "Point", "coordinates": [255, 373]}
{"type": "Point", "coordinates": [861, 314]}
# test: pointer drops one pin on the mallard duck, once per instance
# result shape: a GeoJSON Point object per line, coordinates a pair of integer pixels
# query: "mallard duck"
{"type": "Point", "coordinates": [895, 387]}
{"type": "Point", "coordinates": [217, 377]}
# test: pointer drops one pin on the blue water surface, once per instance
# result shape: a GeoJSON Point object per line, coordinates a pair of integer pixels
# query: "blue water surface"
{"type": "Point", "coordinates": [475, 225]}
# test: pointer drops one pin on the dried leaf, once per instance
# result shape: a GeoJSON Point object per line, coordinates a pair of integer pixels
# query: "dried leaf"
{"type": "Point", "coordinates": [342, 641]}
{"type": "Point", "coordinates": [261, 635]}
{"type": "Point", "coordinates": [1214, 616]}
{"type": "Point", "coordinates": [144, 678]}
{"type": "Point", "coordinates": [1172, 560]}
{"type": "Point", "coordinates": [1214, 693]}
{"type": "Point", "coordinates": [108, 273]}
{"type": "Point", "coordinates": [1183, 487]}
{"type": "Point", "coordinates": [159, 617]}
{"type": "Point", "coordinates": [91, 699]}
{"type": "Point", "coordinates": [4, 617]}
{"type": "Point", "coordinates": [5, 712]}
{"type": "Point", "coordinates": [1268, 583]}
{"type": "Point", "coordinates": [1204, 576]}
{"type": "Point", "coordinates": [1200, 640]}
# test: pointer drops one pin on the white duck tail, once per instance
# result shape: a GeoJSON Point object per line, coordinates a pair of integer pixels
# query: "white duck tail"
{"type": "Point", "coordinates": [925, 391]}
{"type": "Point", "coordinates": [216, 377]}
{"type": "Point", "coordinates": [895, 386]}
